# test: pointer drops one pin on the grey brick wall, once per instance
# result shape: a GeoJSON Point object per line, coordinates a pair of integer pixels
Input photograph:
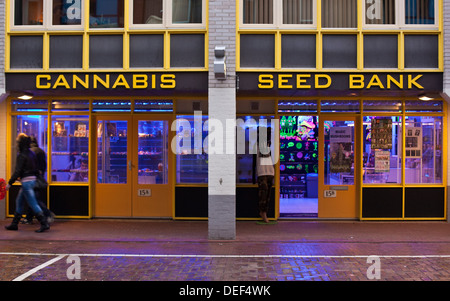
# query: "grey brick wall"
{"type": "Point", "coordinates": [222, 106]}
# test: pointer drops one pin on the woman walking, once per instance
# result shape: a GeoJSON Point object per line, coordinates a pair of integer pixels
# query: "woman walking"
{"type": "Point", "coordinates": [26, 171]}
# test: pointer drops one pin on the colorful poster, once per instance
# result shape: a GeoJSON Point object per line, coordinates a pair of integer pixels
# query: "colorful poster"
{"type": "Point", "coordinates": [340, 157]}
{"type": "Point", "coordinates": [381, 133]}
{"type": "Point", "coordinates": [382, 161]}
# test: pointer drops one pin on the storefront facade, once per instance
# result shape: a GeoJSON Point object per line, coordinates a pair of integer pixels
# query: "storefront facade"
{"type": "Point", "coordinates": [116, 88]}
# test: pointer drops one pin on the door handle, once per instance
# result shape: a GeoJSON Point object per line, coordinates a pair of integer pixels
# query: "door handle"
{"type": "Point", "coordinates": [129, 165]}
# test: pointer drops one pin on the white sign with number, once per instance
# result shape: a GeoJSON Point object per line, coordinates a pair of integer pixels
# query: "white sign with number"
{"type": "Point", "coordinates": [144, 192]}
{"type": "Point", "coordinates": [329, 193]}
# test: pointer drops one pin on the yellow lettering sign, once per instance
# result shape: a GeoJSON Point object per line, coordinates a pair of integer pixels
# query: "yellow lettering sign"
{"type": "Point", "coordinates": [84, 83]}
{"type": "Point", "coordinates": [356, 81]}
{"type": "Point", "coordinates": [375, 81]}
{"type": "Point", "coordinates": [265, 81]}
{"type": "Point", "coordinates": [121, 81]}
{"type": "Point", "coordinates": [39, 79]}
{"type": "Point", "coordinates": [168, 81]}
{"type": "Point", "coordinates": [322, 76]}
{"type": "Point", "coordinates": [61, 81]}
{"type": "Point", "coordinates": [301, 80]}
{"type": "Point", "coordinates": [412, 81]}
{"type": "Point", "coordinates": [283, 79]}
{"type": "Point", "coordinates": [97, 79]}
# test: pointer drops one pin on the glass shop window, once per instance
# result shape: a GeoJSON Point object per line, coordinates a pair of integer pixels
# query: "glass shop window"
{"type": "Point", "coordinates": [70, 105]}
{"type": "Point", "coordinates": [29, 105]}
{"type": "Point", "coordinates": [31, 125]}
{"type": "Point", "coordinates": [67, 12]}
{"type": "Point", "coordinates": [191, 157]}
{"type": "Point", "coordinates": [112, 141]}
{"type": "Point", "coordinates": [298, 106]}
{"type": "Point", "coordinates": [186, 11]}
{"type": "Point", "coordinates": [28, 12]}
{"type": "Point", "coordinates": [246, 138]}
{"type": "Point", "coordinates": [382, 155]}
{"type": "Point", "coordinates": [153, 156]}
{"type": "Point", "coordinates": [106, 13]}
{"type": "Point", "coordinates": [153, 106]}
{"type": "Point", "coordinates": [70, 148]}
{"type": "Point", "coordinates": [339, 149]}
{"type": "Point", "coordinates": [434, 106]}
{"type": "Point", "coordinates": [111, 106]}
{"type": "Point", "coordinates": [423, 150]}
{"type": "Point", "coordinates": [147, 12]}
{"type": "Point", "coordinates": [334, 106]}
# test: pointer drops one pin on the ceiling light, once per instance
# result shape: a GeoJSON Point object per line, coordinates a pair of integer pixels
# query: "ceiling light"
{"type": "Point", "coordinates": [424, 97]}
{"type": "Point", "coordinates": [26, 96]}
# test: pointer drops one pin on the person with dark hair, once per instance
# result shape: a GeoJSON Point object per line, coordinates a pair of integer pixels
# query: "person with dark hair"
{"type": "Point", "coordinates": [40, 193]}
{"type": "Point", "coordinates": [264, 170]}
{"type": "Point", "coordinates": [26, 171]}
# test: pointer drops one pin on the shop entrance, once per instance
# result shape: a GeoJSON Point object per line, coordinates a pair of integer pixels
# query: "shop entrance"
{"type": "Point", "coordinates": [132, 166]}
{"type": "Point", "coordinates": [337, 192]}
{"type": "Point", "coordinates": [299, 158]}
{"type": "Point", "coordinates": [317, 167]}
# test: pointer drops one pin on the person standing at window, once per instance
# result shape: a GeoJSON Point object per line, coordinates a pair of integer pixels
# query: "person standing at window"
{"type": "Point", "coordinates": [263, 165]}
{"type": "Point", "coordinates": [26, 170]}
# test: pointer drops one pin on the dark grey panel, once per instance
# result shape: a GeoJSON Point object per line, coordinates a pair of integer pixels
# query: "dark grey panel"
{"type": "Point", "coordinates": [298, 51]}
{"type": "Point", "coordinates": [26, 52]}
{"type": "Point", "coordinates": [380, 51]}
{"type": "Point", "coordinates": [257, 51]}
{"type": "Point", "coordinates": [146, 50]}
{"type": "Point", "coordinates": [105, 51]}
{"type": "Point", "coordinates": [421, 51]}
{"type": "Point", "coordinates": [339, 51]}
{"type": "Point", "coordinates": [187, 50]}
{"type": "Point", "coordinates": [66, 51]}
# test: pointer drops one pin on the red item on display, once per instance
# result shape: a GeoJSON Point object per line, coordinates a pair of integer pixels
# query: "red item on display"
{"type": "Point", "coordinates": [2, 189]}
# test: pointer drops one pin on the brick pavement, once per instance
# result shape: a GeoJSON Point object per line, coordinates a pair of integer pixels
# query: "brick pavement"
{"type": "Point", "coordinates": [180, 251]}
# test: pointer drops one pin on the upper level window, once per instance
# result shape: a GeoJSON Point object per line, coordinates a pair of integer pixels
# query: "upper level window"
{"type": "Point", "coordinates": [339, 13]}
{"type": "Point", "coordinates": [28, 12]}
{"type": "Point", "coordinates": [66, 12]}
{"type": "Point", "coordinates": [285, 13]}
{"type": "Point", "coordinates": [106, 13]}
{"type": "Point", "coordinates": [399, 13]}
{"type": "Point", "coordinates": [59, 14]}
{"type": "Point", "coordinates": [159, 13]}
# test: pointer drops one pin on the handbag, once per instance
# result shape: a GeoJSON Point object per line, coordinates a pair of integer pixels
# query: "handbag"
{"type": "Point", "coordinates": [40, 183]}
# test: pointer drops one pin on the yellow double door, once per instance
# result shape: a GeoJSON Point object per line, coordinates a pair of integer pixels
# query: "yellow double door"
{"type": "Point", "coordinates": [132, 165]}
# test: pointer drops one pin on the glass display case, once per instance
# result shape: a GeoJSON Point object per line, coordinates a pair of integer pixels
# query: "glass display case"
{"type": "Point", "coordinates": [382, 144]}
{"type": "Point", "coordinates": [192, 161]}
{"type": "Point", "coordinates": [70, 148]}
{"type": "Point", "coordinates": [423, 149]}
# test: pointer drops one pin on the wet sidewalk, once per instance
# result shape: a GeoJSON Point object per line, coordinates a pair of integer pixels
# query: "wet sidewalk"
{"type": "Point", "coordinates": [166, 250]}
{"type": "Point", "coordinates": [246, 231]}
